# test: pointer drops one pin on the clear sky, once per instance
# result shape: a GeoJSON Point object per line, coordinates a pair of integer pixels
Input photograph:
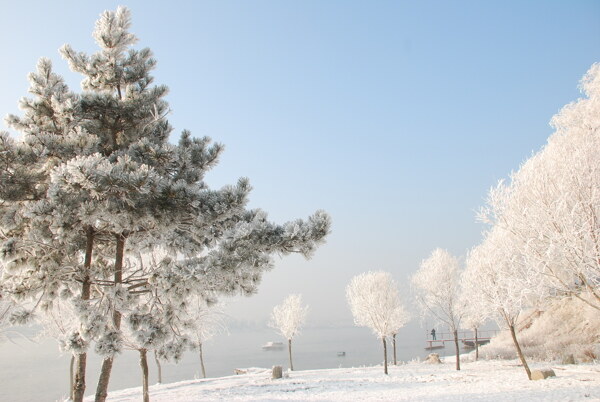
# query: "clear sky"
{"type": "Point", "coordinates": [395, 117]}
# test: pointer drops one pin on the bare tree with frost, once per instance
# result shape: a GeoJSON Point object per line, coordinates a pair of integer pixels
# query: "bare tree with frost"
{"type": "Point", "coordinates": [399, 319]}
{"type": "Point", "coordinates": [208, 321]}
{"type": "Point", "coordinates": [7, 306]}
{"type": "Point", "coordinates": [94, 180]}
{"type": "Point", "coordinates": [375, 303]}
{"type": "Point", "coordinates": [552, 204]}
{"type": "Point", "coordinates": [437, 290]}
{"type": "Point", "coordinates": [474, 316]}
{"type": "Point", "coordinates": [502, 283]}
{"type": "Point", "coordinates": [287, 318]}
{"type": "Point", "coordinates": [62, 323]}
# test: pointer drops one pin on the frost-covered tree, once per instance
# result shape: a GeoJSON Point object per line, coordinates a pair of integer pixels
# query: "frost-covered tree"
{"type": "Point", "coordinates": [207, 320]}
{"type": "Point", "coordinates": [287, 318]}
{"type": "Point", "coordinates": [399, 319]}
{"type": "Point", "coordinates": [61, 323]}
{"type": "Point", "coordinates": [474, 317]}
{"type": "Point", "coordinates": [7, 306]}
{"type": "Point", "coordinates": [144, 331]}
{"type": "Point", "coordinates": [552, 203]}
{"type": "Point", "coordinates": [94, 181]}
{"type": "Point", "coordinates": [545, 229]}
{"type": "Point", "coordinates": [375, 303]}
{"type": "Point", "coordinates": [42, 257]}
{"type": "Point", "coordinates": [501, 283]}
{"type": "Point", "coordinates": [437, 290]}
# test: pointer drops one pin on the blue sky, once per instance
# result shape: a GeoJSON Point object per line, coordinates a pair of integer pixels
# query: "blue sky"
{"type": "Point", "coordinates": [395, 117]}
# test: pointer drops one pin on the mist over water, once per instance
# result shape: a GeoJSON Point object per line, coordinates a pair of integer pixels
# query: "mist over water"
{"type": "Point", "coordinates": [38, 372]}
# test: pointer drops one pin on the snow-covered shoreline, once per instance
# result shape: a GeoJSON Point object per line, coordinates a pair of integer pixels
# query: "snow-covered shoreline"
{"type": "Point", "coordinates": [496, 380]}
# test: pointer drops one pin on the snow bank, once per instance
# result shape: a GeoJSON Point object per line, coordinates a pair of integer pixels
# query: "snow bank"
{"type": "Point", "coordinates": [482, 380]}
{"type": "Point", "coordinates": [564, 327]}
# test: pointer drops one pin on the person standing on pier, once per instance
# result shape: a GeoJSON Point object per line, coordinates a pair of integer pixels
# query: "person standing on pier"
{"type": "Point", "coordinates": [433, 334]}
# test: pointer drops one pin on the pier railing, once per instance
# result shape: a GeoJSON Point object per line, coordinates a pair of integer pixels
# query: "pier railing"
{"type": "Point", "coordinates": [469, 336]}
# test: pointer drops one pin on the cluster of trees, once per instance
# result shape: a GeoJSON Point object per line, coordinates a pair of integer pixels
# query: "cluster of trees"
{"type": "Point", "coordinates": [374, 299]}
{"type": "Point", "coordinates": [375, 302]}
{"type": "Point", "coordinates": [544, 235]}
{"type": "Point", "coordinates": [542, 242]}
{"type": "Point", "coordinates": [543, 239]}
{"type": "Point", "coordinates": [108, 232]}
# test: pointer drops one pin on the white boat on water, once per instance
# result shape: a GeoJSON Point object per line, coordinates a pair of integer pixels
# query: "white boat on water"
{"type": "Point", "coordinates": [273, 346]}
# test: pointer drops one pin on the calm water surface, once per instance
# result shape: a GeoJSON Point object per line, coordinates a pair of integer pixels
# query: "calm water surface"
{"type": "Point", "coordinates": [38, 372]}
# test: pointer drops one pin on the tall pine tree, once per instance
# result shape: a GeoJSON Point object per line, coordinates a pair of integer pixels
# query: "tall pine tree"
{"type": "Point", "coordinates": [98, 184]}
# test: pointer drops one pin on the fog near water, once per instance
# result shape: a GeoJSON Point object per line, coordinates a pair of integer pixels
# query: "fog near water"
{"type": "Point", "coordinates": [37, 371]}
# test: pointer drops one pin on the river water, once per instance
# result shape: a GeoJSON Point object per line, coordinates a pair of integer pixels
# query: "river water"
{"type": "Point", "coordinates": [38, 372]}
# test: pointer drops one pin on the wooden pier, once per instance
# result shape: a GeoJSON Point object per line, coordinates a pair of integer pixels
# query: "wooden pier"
{"type": "Point", "coordinates": [467, 338]}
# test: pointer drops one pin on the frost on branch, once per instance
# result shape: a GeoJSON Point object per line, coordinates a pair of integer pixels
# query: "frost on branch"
{"type": "Point", "coordinates": [94, 183]}
{"type": "Point", "coordinates": [375, 303]}
{"type": "Point", "coordinates": [437, 289]}
{"type": "Point", "coordinates": [289, 316]}
{"type": "Point", "coordinates": [552, 204]}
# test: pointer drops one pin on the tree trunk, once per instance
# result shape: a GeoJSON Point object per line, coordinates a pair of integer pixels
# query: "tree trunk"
{"type": "Point", "coordinates": [202, 361]}
{"type": "Point", "coordinates": [455, 332]}
{"type": "Point", "coordinates": [290, 353]}
{"type": "Point", "coordinates": [102, 388]}
{"type": "Point", "coordinates": [78, 389]}
{"type": "Point", "coordinates": [71, 376]}
{"type": "Point", "coordinates": [519, 352]}
{"type": "Point", "coordinates": [385, 362]}
{"type": "Point", "coordinates": [159, 368]}
{"type": "Point", "coordinates": [394, 347]}
{"type": "Point", "coordinates": [144, 366]}
{"type": "Point", "coordinates": [476, 346]}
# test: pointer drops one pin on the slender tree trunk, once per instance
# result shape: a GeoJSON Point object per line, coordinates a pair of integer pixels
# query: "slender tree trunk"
{"type": "Point", "coordinates": [159, 368]}
{"type": "Point", "coordinates": [78, 389]}
{"type": "Point", "coordinates": [476, 346]}
{"type": "Point", "coordinates": [519, 352]}
{"type": "Point", "coordinates": [394, 347]}
{"type": "Point", "coordinates": [457, 349]}
{"type": "Point", "coordinates": [290, 353]}
{"type": "Point", "coordinates": [102, 388]}
{"type": "Point", "coordinates": [144, 366]}
{"type": "Point", "coordinates": [71, 376]}
{"type": "Point", "coordinates": [79, 383]}
{"type": "Point", "coordinates": [385, 361]}
{"type": "Point", "coordinates": [202, 361]}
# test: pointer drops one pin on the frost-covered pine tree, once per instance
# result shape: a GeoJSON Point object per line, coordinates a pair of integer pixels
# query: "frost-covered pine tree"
{"type": "Point", "coordinates": [437, 290]}
{"type": "Point", "coordinates": [42, 256]}
{"type": "Point", "coordinates": [143, 331]}
{"type": "Point", "coordinates": [375, 303]}
{"type": "Point", "coordinates": [101, 183]}
{"type": "Point", "coordinates": [287, 318]}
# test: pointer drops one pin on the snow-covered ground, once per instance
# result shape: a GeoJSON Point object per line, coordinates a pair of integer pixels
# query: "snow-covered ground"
{"type": "Point", "coordinates": [498, 380]}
